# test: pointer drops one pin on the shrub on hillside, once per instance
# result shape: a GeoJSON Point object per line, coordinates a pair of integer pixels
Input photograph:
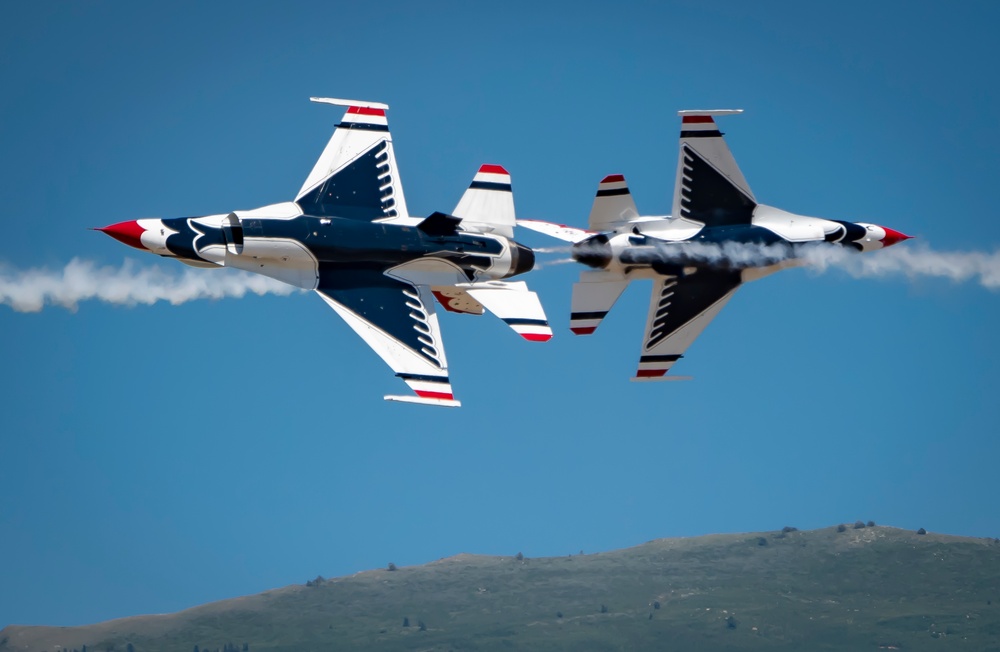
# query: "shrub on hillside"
{"type": "Point", "coordinates": [871, 523]}
{"type": "Point", "coordinates": [921, 531]}
{"type": "Point", "coordinates": [859, 525]}
{"type": "Point", "coordinates": [841, 527]}
{"type": "Point", "coordinates": [391, 566]}
{"type": "Point", "coordinates": [789, 528]}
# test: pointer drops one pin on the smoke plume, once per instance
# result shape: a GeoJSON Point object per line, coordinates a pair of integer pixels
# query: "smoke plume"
{"type": "Point", "coordinates": [81, 280]}
{"type": "Point", "coordinates": [914, 262]}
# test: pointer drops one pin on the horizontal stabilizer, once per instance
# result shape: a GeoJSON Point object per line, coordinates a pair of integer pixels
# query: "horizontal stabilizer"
{"type": "Point", "coordinates": [424, 401]}
{"type": "Point", "coordinates": [439, 224]}
{"type": "Point", "coordinates": [516, 306]}
{"type": "Point", "coordinates": [560, 231]}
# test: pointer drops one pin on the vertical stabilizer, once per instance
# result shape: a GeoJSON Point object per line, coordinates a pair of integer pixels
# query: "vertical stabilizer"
{"type": "Point", "coordinates": [488, 204]}
{"type": "Point", "coordinates": [613, 204]}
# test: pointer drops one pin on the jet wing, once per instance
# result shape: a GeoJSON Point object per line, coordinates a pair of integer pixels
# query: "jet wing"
{"type": "Point", "coordinates": [709, 188]}
{"type": "Point", "coordinates": [679, 310]}
{"type": "Point", "coordinates": [397, 320]}
{"type": "Point", "coordinates": [356, 176]}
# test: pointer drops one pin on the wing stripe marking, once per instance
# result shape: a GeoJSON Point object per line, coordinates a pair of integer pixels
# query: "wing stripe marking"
{"type": "Point", "coordinates": [670, 357]}
{"type": "Point", "coordinates": [702, 134]}
{"type": "Point", "coordinates": [366, 126]}
{"type": "Point", "coordinates": [598, 314]}
{"type": "Point", "coordinates": [423, 378]}
{"type": "Point", "coordinates": [490, 185]}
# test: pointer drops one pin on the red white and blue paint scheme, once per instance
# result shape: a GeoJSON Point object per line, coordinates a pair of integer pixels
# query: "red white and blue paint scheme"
{"type": "Point", "coordinates": [717, 238]}
{"type": "Point", "coordinates": [348, 236]}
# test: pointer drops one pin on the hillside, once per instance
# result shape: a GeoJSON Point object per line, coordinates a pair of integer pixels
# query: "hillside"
{"type": "Point", "coordinates": [859, 589]}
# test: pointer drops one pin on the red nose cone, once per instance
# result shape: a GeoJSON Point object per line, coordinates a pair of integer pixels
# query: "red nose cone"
{"type": "Point", "coordinates": [127, 232]}
{"type": "Point", "coordinates": [892, 237]}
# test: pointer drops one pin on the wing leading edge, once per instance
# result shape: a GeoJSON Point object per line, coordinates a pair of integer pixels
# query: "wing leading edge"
{"type": "Point", "coordinates": [679, 310]}
{"type": "Point", "coordinates": [356, 176]}
{"type": "Point", "coordinates": [397, 320]}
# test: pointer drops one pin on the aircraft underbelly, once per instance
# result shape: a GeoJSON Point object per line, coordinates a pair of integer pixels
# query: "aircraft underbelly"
{"type": "Point", "coordinates": [286, 260]}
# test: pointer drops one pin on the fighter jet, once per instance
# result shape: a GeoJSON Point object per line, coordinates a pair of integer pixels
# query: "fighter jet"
{"type": "Point", "coordinates": [348, 236]}
{"type": "Point", "coordinates": [717, 238]}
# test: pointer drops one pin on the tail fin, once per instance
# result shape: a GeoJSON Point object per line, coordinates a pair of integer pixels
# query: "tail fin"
{"type": "Point", "coordinates": [593, 297]}
{"type": "Point", "coordinates": [488, 204]}
{"type": "Point", "coordinates": [613, 204]}
{"type": "Point", "coordinates": [709, 187]}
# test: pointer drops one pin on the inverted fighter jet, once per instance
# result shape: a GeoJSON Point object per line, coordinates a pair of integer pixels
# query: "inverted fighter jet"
{"type": "Point", "coordinates": [717, 237]}
{"type": "Point", "coordinates": [348, 236]}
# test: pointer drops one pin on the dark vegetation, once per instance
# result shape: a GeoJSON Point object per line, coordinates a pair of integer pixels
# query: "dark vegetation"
{"type": "Point", "coordinates": [837, 588]}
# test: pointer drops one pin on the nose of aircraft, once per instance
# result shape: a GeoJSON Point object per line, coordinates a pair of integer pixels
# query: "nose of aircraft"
{"type": "Point", "coordinates": [128, 232]}
{"type": "Point", "coordinates": [892, 237]}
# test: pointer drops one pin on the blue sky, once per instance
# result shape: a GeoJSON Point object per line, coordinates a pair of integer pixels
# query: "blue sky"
{"type": "Point", "coordinates": [158, 457]}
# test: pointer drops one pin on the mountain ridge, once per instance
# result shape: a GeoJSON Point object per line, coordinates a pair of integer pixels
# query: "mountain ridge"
{"type": "Point", "coordinates": [840, 587]}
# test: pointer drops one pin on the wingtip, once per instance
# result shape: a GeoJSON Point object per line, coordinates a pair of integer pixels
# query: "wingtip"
{"type": "Point", "coordinates": [349, 103]}
{"type": "Point", "coordinates": [419, 400]}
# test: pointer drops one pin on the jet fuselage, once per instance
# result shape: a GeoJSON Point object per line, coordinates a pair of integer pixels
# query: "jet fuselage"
{"type": "Point", "coordinates": [281, 244]}
{"type": "Point", "coordinates": [669, 246]}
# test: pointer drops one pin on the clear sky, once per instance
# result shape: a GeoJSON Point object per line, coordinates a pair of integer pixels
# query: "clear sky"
{"type": "Point", "coordinates": [157, 457]}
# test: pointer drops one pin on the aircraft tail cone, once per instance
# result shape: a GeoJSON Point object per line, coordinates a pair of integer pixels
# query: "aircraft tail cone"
{"type": "Point", "coordinates": [128, 232]}
{"type": "Point", "coordinates": [892, 237]}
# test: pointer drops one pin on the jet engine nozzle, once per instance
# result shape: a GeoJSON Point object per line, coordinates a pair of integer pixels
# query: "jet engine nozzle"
{"type": "Point", "coordinates": [128, 232]}
{"type": "Point", "coordinates": [522, 259]}
{"type": "Point", "coordinates": [594, 251]}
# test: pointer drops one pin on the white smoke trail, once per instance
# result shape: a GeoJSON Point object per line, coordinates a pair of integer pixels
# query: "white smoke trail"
{"type": "Point", "coordinates": [547, 263]}
{"type": "Point", "coordinates": [913, 262]}
{"type": "Point", "coordinates": [907, 260]}
{"type": "Point", "coordinates": [81, 280]}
